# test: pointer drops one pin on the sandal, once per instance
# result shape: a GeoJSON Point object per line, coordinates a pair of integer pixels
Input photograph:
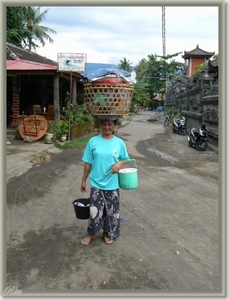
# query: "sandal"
{"type": "Point", "coordinates": [107, 240]}
{"type": "Point", "coordinates": [86, 241]}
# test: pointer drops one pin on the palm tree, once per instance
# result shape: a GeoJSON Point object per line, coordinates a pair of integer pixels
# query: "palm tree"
{"type": "Point", "coordinates": [32, 19]}
{"type": "Point", "coordinates": [141, 69]}
{"type": "Point", "coordinates": [23, 26]}
{"type": "Point", "coordinates": [125, 65]}
{"type": "Point", "coordinates": [14, 25]}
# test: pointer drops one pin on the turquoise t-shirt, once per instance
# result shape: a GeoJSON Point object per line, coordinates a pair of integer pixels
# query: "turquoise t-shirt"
{"type": "Point", "coordinates": [102, 154]}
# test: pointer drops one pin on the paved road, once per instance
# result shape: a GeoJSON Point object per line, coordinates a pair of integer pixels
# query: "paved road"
{"type": "Point", "coordinates": [170, 242]}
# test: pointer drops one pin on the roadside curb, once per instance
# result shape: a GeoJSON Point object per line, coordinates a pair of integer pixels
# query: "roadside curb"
{"type": "Point", "coordinates": [19, 162]}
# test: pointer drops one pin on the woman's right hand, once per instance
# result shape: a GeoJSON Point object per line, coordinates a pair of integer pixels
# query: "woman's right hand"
{"type": "Point", "coordinates": [83, 187]}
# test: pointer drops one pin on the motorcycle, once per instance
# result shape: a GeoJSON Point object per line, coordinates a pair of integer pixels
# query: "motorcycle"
{"type": "Point", "coordinates": [167, 119]}
{"type": "Point", "coordinates": [179, 126]}
{"type": "Point", "coordinates": [198, 138]}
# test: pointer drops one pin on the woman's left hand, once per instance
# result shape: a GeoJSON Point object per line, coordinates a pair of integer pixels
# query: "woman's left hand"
{"type": "Point", "coordinates": [116, 167]}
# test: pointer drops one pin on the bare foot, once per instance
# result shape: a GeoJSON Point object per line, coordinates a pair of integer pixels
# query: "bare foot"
{"type": "Point", "coordinates": [106, 239]}
{"type": "Point", "coordinates": [86, 241]}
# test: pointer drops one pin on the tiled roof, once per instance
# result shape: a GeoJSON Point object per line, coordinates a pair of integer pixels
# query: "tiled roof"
{"type": "Point", "coordinates": [21, 59]}
{"type": "Point", "coordinates": [197, 52]}
{"type": "Point", "coordinates": [19, 64]}
{"type": "Point", "coordinates": [13, 52]}
{"type": "Point", "coordinates": [158, 97]}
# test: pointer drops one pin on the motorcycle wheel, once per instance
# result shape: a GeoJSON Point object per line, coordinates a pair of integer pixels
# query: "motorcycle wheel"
{"type": "Point", "coordinates": [190, 143]}
{"type": "Point", "coordinates": [201, 145]}
{"type": "Point", "coordinates": [174, 130]}
{"type": "Point", "coordinates": [166, 122]}
{"type": "Point", "coordinates": [183, 131]}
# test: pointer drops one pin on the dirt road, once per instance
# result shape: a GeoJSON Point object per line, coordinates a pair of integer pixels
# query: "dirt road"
{"type": "Point", "coordinates": [169, 241]}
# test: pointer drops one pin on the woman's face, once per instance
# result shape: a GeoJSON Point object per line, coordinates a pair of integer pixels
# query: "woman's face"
{"type": "Point", "coordinates": [107, 126]}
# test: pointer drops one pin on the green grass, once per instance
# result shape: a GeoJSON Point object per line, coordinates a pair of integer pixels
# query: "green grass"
{"type": "Point", "coordinates": [11, 150]}
{"type": "Point", "coordinates": [81, 142]}
{"type": "Point", "coordinates": [41, 157]}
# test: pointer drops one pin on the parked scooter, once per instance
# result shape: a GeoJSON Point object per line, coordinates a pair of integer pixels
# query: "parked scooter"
{"type": "Point", "coordinates": [198, 138]}
{"type": "Point", "coordinates": [167, 119]}
{"type": "Point", "coordinates": [179, 126]}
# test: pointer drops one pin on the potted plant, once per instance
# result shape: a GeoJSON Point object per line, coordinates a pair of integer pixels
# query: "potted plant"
{"type": "Point", "coordinates": [77, 118]}
{"type": "Point", "coordinates": [50, 135]}
{"type": "Point", "coordinates": [62, 130]}
{"type": "Point", "coordinates": [56, 130]}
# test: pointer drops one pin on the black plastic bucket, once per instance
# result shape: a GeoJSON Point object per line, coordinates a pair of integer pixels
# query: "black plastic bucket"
{"type": "Point", "coordinates": [82, 212]}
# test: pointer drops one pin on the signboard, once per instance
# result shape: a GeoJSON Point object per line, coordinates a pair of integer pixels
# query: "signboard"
{"type": "Point", "coordinates": [72, 61]}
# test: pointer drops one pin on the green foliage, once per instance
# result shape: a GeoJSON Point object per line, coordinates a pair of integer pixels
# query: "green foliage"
{"type": "Point", "coordinates": [52, 128]}
{"type": "Point", "coordinates": [125, 65]}
{"type": "Point", "coordinates": [58, 128]}
{"type": "Point", "coordinates": [169, 111]}
{"type": "Point", "coordinates": [78, 143]}
{"type": "Point", "coordinates": [140, 95]}
{"type": "Point", "coordinates": [24, 29]}
{"type": "Point", "coordinates": [41, 157]}
{"type": "Point", "coordinates": [169, 56]}
{"type": "Point", "coordinates": [141, 70]}
{"type": "Point", "coordinates": [14, 25]}
{"type": "Point", "coordinates": [200, 68]}
{"type": "Point", "coordinates": [63, 128]}
{"type": "Point", "coordinates": [11, 150]}
{"type": "Point", "coordinates": [76, 114]}
{"type": "Point", "coordinates": [178, 114]}
{"type": "Point", "coordinates": [153, 73]}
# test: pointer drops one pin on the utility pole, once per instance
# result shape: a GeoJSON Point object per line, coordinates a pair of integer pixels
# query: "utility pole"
{"type": "Point", "coordinates": [163, 31]}
{"type": "Point", "coordinates": [164, 45]}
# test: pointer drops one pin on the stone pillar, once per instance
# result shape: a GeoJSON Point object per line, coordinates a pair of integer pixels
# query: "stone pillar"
{"type": "Point", "coordinates": [56, 100]}
{"type": "Point", "coordinates": [15, 109]}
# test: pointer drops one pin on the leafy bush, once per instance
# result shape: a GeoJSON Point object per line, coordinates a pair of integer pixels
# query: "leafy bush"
{"type": "Point", "coordinates": [52, 128]}
{"type": "Point", "coordinates": [58, 128]}
{"type": "Point", "coordinates": [63, 128]}
{"type": "Point", "coordinates": [76, 114]}
{"type": "Point", "coordinates": [169, 111]}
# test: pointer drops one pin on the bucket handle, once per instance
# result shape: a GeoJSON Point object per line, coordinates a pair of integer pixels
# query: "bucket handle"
{"type": "Point", "coordinates": [134, 161]}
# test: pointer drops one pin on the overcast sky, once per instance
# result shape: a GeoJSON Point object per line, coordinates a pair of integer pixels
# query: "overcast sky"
{"type": "Point", "coordinates": [108, 34]}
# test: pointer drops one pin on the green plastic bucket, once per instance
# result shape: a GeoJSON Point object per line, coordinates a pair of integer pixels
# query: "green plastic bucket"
{"type": "Point", "coordinates": [128, 177]}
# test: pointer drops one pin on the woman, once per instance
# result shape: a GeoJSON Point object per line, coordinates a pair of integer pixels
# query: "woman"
{"type": "Point", "coordinates": [104, 156]}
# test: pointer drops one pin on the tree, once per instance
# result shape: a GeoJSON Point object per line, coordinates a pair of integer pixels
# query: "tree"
{"type": "Point", "coordinates": [125, 65]}
{"type": "Point", "coordinates": [14, 25]}
{"type": "Point", "coordinates": [24, 29]}
{"type": "Point", "coordinates": [140, 95]}
{"type": "Point", "coordinates": [152, 75]}
{"type": "Point", "coordinates": [33, 18]}
{"type": "Point", "coordinates": [140, 70]}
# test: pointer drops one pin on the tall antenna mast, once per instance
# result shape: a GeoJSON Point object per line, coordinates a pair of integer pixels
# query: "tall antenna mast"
{"type": "Point", "coordinates": [163, 30]}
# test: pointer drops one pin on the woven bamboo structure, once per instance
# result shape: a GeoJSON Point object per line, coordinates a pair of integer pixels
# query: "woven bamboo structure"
{"type": "Point", "coordinates": [108, 99]}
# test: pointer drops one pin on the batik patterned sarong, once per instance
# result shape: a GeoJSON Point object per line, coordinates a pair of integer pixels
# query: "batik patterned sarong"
{"type": "Point", "coordinates": [104, 212]}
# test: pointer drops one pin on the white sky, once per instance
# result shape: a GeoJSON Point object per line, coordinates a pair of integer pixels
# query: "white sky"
{"type": "Point", "coordinates": [108, 34]}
